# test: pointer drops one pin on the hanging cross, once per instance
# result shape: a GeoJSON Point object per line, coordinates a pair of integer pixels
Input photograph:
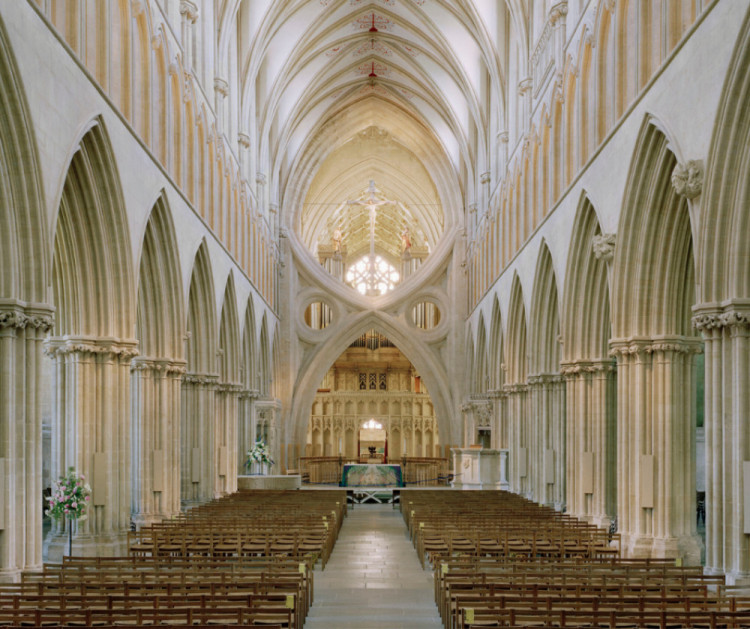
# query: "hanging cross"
{"type": "Point", "coordinates": [372, 203]}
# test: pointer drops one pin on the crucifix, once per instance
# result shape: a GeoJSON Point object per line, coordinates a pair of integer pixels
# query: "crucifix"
{"type": "Point", "coordinates": [371, 203]}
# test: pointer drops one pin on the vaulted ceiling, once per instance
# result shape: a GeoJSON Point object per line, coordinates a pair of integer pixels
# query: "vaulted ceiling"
{"type": "Point", "coordinates": [347, 91]}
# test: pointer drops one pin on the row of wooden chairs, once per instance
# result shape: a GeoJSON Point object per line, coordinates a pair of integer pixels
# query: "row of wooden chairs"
{"type": "Point", "coordinates": [501, 561]}
{"type": "Point", "coordinates": [207, 578]}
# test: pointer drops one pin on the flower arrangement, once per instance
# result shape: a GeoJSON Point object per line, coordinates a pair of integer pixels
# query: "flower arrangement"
{"type": "Point", "coordinates": [258, 454]}
{"type": "Point", "coordinates": [70, 497]}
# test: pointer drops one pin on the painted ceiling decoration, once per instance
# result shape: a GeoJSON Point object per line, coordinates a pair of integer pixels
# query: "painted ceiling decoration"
{"type": "Point", "coordinates": [395, 91]}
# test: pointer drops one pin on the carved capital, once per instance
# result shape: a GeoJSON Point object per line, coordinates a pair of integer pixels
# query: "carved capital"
{"type": "Point", "coordinates": [260, 178]}
{"type": "Point", "coordinates": [221, 87]}
{"type": "Point", "coordinates": [229, 387]}
{"type": "Point", "coordinates": [644, 347]}
{"type": "Point", "coordinates": [244, 140]}
{"type": "Point", "coordinates": [249, 394]}
{"type": "Point", "coordinates": [579, 368]}
{"type": "Point", "coordinates": [208, 380]}
{"type": "Point", "coordinates": [557, 11]}
{"type": "Point", "coordinates": [729, 317]}
{"type": "Point", "coordinates": [503, 137]}
{"type": "Point", "coordinates": [159, 366]}
{"type": "Point", "coordinates": [525, 85]}
{"type": "Point", "coordinates": [189, 10]}
{"type": "Point", "coordinates": [687, 178]}
{"type": "Point", "coordinates": [604, 247]}
{"type": "Point", "coordinates": [19, 317]}
{"type": "Point", "coordinates": [485, 177]}
{"type": "Point", "coordinates": [106, 348]}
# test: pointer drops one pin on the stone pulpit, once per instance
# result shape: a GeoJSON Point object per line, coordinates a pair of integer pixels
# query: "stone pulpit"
{"type": "Point", "coordinates": [480, 468]}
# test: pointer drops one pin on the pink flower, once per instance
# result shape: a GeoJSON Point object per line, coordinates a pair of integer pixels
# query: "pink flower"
{"type": "Point", "coordinates": [88, 498]}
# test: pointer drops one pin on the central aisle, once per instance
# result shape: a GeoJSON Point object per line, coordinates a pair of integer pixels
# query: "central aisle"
{"type": "Point", "coordinates": [373, 579]}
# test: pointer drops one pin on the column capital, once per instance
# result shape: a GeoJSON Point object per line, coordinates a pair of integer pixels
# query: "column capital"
{"type": "Point", "coordinates": [201, 379]}
{"type": "Point", "coordinates": [189, 10]}
{"type": "Point", "coordinates": [728, 314]}
{"type": "Point", "coordinates": [649, 345]}
{"type": "Point", "coordinates": [105, 347]}
{"type": "Point", "coordinates": [20, 315]}
{"type": "Point", "coordinates": [159, 366]}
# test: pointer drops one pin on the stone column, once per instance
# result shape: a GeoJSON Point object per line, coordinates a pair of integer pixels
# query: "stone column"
{"type": "Point", "coordinates": [189, 13]}
{"type": "Point", "coordinates": [245, 427]}
{"type": "Point", "coordinates": [547, 441]}
{"type": "Point", "coordinates": [726, 332]}
{"type": "Point", "coordinates": [590, 421]}
{"type": "Point", "coordinates": [226, 428]}
{"type": "Point", "coordinates": [156, 390]}
{"type": "Point", "coordinates": [656, 446]}
{"type": "Point", "coordinates": [518, 437]}
{"type": "Point", "coordinates": [91, 430]}
{"type": "Point", "coordinates": [22, 330]}
{"type": "Point", "coordinates": [198, 439]}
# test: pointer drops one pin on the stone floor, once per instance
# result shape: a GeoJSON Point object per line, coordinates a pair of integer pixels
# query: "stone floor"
{"type": "Point", "coordinates": [373, 579]}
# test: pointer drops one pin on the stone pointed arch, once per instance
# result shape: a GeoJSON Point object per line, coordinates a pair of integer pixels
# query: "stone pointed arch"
{"type": "Point", "coordinates": [544, 335]}
{"type": "Point", "coordinates": [586, 324]}
{"type": "Point", "coordinates": [516, 351]}
{"type": "Point", "coordinates": [93, 289]}
{"type": "Point", "coordinates": [496, 357]}
{"type": "Point", "coordinates": [546, 388]}
{"type": "Point", "coordinates": [227, 394]}
{"type": "Point", "coordinates": [249, 347]}
{"type": "Point", "coordinates": [264, 359]}
{"type": "Point", "coordinates": [201, 316]}
{"type": "Point", "coordinates": [156, 374]}
{"type": "Point", "coordinates": [654, 291]}
{"type": "Point", "coordinates": [160, 318]}
{"type": "Point", "coordinates": [198, 435]}
{"type": "Point", "coordinates": [312, 371]}
{"type": "Point", "coordinates": [25, 319]}
{"type": "Point", "coordinates": [92, 271]}
{"type": "Point", "coordinates": [516, 390]}
{"type": "Point", "coordinates": [589, 372]}
{"type": "Point", "coordinates": [229, 336]}
{"type": "Point", "coordinates": [480, 377]}
{"type": "Point", "coordinates": [23, 229]}
{"type": "Point", "coordinates": [723, 317]}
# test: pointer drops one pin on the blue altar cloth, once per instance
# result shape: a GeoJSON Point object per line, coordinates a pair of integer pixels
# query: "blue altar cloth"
{"type": "Point", "coordinates": [363, 475]}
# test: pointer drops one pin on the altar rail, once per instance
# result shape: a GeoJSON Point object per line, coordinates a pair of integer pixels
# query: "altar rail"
{"type": "Point", "coordinates": [421, 471]}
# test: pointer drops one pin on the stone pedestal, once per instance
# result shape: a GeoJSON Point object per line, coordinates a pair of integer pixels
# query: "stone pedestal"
{"type": "Point", "coordinates": [476, 468]}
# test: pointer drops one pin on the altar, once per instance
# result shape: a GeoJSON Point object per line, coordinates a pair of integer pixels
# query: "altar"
{"type": "Point", "coordinates": [371, 475]}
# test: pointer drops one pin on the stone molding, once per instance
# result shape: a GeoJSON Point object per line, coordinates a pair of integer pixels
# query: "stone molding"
{"type": "Point", "coordinates": [546, 378]}
{"type": "Point", "coordinates": [480, 407]}
{"type": "Point", "coordinates": [160, 366]}
{"type": "Point", "coordinates": [201, 379]}
{"type": "Point", "coordinates": [21, 317]}
{"type": "Point", "coordinates": [648, 346]}
{"type": "Point", "coordinates": [719, 318]}
{"type": "Point", "coordinates": [229, 387]}
{"type": "Point", "coordinates": [687, 178]}
{"type": "Point", "coordinates": [604, 246]}
{"type": "Point", "coordinates": [96, 346]}
{"type": "Point", "coordinates": [221, 87]}
{"type": "Point", "coordinates": [582, 367]}
{"type": "Point", "coordinates": [519, 387]}
{"type": "Point", "coordinates": [189, 10]}
{"type": "Point", "coordinates": [249, 394]}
